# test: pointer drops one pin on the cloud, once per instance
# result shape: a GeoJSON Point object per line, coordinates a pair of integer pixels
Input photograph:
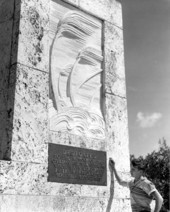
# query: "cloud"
{"type": "Point", "coordinates": [148, 120]}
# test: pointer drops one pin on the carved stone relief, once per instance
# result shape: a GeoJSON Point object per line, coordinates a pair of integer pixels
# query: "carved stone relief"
{"type": "Point", "coordinates": [75, 72]}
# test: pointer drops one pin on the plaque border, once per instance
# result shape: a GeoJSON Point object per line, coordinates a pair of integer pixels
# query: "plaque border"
{"type": "Point", "coordinates": [103, 181]}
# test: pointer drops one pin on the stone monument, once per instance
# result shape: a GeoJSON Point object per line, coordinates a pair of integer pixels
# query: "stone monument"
{"type": "Point", "coordinates": [63, 109]}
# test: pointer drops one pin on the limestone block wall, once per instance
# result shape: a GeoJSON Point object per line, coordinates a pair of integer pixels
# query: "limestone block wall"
{"type": "Point", "coordinates": [25, 131]}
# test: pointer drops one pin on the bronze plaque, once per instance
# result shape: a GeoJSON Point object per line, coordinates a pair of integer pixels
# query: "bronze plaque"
{"type": "Point", "coordinates": [76, 165]}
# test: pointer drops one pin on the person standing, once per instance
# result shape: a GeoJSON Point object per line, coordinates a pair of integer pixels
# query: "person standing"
{"type": "Point", "coordinates": [142, 190]}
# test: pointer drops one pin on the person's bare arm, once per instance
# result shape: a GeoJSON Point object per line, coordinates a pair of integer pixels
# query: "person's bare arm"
{"type": "Point", "coordinates": [158, 200]}
{"type": "Point", "coordinates": [112, 167]}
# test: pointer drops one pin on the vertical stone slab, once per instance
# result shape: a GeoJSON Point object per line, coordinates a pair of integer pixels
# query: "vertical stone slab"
{"type": "Point", "coordinates": [117, 131]}
{"type": "Point", "coordinates": [28, 90]}
{"type": "Point", "coordinates": [116, 112]}
{"type": "Point", "coordinates": [27, 132]}
{"type": "Point", "coordinates": [6, 24]}
{"type": "Point", "coordinates": [114, 60]}
{"type": "Point", "coordinates": [116, 102]}
{"type": "Point", "coordinates": [5, 50]}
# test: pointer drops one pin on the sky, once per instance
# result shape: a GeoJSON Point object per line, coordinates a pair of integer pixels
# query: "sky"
{"type": "Point", "coordinates": [146, 26]}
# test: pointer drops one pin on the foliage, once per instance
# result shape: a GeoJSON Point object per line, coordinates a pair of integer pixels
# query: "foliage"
{"type": "Point", "coordinates": [157, 169]}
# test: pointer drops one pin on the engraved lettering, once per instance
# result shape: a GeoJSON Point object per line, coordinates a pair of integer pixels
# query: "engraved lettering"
{"type": "Point", "coordinates": [77, 165]}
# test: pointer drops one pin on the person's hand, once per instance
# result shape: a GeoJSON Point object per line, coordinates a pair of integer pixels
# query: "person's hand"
{"type": "Point", "coordinates": [111, 164]}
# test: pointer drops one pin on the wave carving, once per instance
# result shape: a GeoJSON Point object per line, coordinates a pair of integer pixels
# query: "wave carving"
{"type": "Point", "coordinates": [79, 121]}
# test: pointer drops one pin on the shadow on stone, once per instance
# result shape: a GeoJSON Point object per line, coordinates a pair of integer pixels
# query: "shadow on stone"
{"type": "Point", "coordinates": [9, 33]}
{"type": "Point", "coordinates": [109, 206]}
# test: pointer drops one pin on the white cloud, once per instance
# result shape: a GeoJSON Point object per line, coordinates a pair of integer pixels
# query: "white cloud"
{"type": "Point", "coordinates": [148, 120]}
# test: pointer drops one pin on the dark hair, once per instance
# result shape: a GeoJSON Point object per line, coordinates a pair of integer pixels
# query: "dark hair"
{"type": "Point", "coordinates": [138, 164]}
